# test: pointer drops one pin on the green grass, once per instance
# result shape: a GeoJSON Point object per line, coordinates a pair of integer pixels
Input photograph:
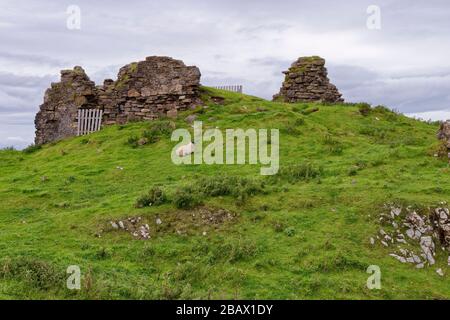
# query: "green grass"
{"type": "Point", "coordinates": [303, 234]}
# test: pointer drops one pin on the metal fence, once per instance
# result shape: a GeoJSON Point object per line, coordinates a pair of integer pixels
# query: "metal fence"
{"type": "Point", "coordinates": [233, 88]}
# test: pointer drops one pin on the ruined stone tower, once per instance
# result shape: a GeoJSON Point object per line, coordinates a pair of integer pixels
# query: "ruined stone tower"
{"type": "Point", "coordinates": [307, 81]}
{"type": "Point", "coordinates": [56, 118]}
{"type": "Point", "coordinates": [144, 90]}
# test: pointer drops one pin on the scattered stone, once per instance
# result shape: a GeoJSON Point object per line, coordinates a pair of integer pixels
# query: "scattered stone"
{"type": "Point", "coordinates": [399, 258]}
{"type": "Point", "coordinates": [372, 241]}
{"type": "Point", "coordinates": [415, 219]}
{"type": "Point", "coordinates": [427, 245]}
{"type": "Point", "coordinates": [142, 141]}
{"type": "Point", "coordinates": [417, 234]}
{"type": "Point", "coordinates": [410, 233]}
{"type": "Point", "coordinates": [416, 259]}
{"type": "Point", "coordinates": [440, 272]}
{"type": "Point", "coordinates": [423, 231]}
{"type": "Point", "coordinates": [190, 119]}
{"type": "Point", "coordinates": [396, 212]}
{"type": "Point", "coordinates": [179, 222]}
{"type": "Point", "coordinates": [441, 221]}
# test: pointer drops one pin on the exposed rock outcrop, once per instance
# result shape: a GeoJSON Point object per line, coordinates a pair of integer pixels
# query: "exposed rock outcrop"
{"type": "Point", "coordinates": [418, 235]}
{"type": "Point", "coordinates": [307, 81]}
{"type": "Point", "coordinates": [144, 90]}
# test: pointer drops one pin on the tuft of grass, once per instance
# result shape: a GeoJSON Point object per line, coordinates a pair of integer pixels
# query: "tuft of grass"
{"type": "Point", "coordinates": [37, 273]}
{"type": "Point", "coordinates": [133, 141]}
{"type": "Point", "coordinates": [32, 148]}
{"type": "Point", "coordinates": [299, 172]}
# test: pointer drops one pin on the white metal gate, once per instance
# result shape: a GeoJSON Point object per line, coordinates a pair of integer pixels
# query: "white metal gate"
{"type": "Point", "coordinates": [89, 120]}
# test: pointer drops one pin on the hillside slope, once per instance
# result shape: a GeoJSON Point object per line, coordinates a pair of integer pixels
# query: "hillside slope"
{"type": "Point", "coordinates": [303, 234]}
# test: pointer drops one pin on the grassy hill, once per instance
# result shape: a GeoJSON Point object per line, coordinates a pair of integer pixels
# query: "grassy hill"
{"type": "Point", "coordinates": [226, 231]}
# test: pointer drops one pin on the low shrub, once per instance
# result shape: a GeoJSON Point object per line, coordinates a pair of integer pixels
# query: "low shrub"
{"type": "Point", "coordinates": [238, 187]}
{"type": "Point", "coordinates": [364, 109]}
{"type": "Point", "coordinates": [186, 198]}
{"type": "Point", "coordinates": [162, 127]}
{"type": "Point", "coordinates": [151, 136]}
{"type": "Point", "coordinates": [40, 274]}
{"type": "Point", "coordinates": [155, 197]}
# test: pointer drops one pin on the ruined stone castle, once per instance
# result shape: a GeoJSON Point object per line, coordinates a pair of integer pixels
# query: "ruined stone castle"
{"type": "Point", "coordinates": [143, 90]}
{"type": "Point", "coordinates": [156, 87]}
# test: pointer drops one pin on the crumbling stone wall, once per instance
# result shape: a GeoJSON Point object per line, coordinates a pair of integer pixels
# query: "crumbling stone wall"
{"type": "Point", "coordinates": [444, 133]}
{"type": "Point", "coordinates": [148, 89]}
{"type": "Point", "coordinates": [307, 81]}
{"type": "Point", "coordinates": [144, 90]}
{"type": "Point", "coordinates": [57, 117]}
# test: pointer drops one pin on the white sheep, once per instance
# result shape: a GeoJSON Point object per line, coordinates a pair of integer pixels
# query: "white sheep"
{"type": "Point", "coordinates": [186, 150]}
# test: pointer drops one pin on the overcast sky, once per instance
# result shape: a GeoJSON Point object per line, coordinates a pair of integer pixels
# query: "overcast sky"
{"type": "Point", "coordinates": [404, 65]}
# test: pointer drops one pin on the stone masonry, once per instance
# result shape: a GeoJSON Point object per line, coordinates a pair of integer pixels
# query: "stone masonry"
{"type": "Point", "coordinates": [144, 90]}
{"type": "Point", "coordinates": [57, 116]}
{"type": "Point", "coordinates": [307, 81]}
{"type": "Point", "coordinates": [444, 133]}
